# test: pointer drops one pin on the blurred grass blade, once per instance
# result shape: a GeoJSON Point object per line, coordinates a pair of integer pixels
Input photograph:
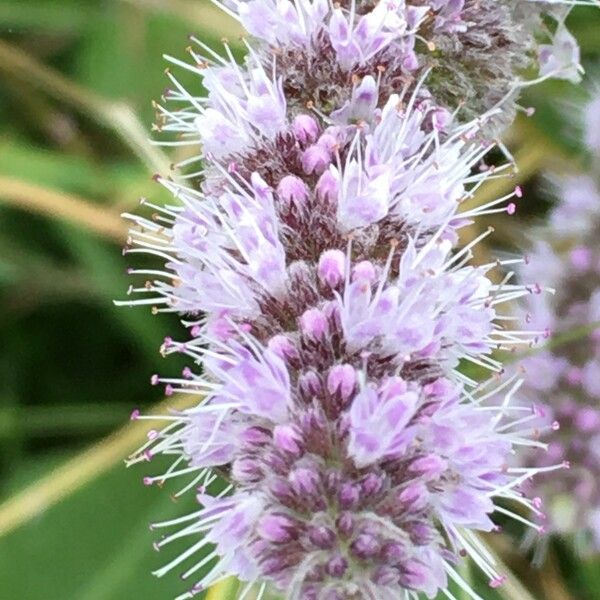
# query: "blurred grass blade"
{"type": "Point", "coordinates": [94, 545]}
{"type": "Point", "coordinates": [62, 420]}
{"type": "Point", "coordinates": [63, 17]}
{"type": "Point", "coordinates": [204, 14]}
{"type": "Point", "coordinates": [551, 581]}
{"type": "Point", "coordinates": [512, 588]}
{"type": "Point", "coordinates": [74, 474]}
{"type": "Point", "coordinates": [68, 207]}
{"type": "Point", "coordinates": [117, 116]}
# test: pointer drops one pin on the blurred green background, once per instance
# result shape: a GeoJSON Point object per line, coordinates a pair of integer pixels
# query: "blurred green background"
{"type": "Point", "coordinates": [76, 81]}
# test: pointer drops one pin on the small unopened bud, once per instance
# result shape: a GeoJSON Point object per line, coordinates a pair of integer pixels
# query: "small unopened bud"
{"type": "Point", "coordinates": [246, 470]}
{"type": "Point", "coordinates": [315, 159]}
{"type": "Point", "coordinates": [348, 496]}
{"type": "Point", "coordinates": [288, 438]}
{"type": "Point", "coordinates": [255, 436]}
{"type": "Point", "coordinates": [385, 576]}
{"type": "Point", "coordinates": [345, 524]}
{"type": "Point", "coordinates": [322, 537]}
{"type": "Point", "coordinates": [587, 419]}
{"type": "Point", "coordinates": [283, 347]}
{"type": "Point", "coordinates": [414, 496]}
{"type": "Point", "coordinates": [392, 552]}
{"type": "Point", "coordinates": [327, 187]}
{"type": "Point", "coordinates": [309, 385]}
{"type": "Point", "coordinates": [341, 379]}
{"type": "Point", "coordinates": [414, 573]}
{"type": "Point", "coordinates": [336, 567]}
{"type": "Point", "coordinates": [421, 534]}
{"type": "Point", "coordinates": [441, 119]}
{"type": "Point", "coordinates": [364, 271]}
{"type": "Point", "coordinates": [581, 258]}
{"type": "Point", "coordinates": [305, 129]}
{"type": "Point", "coordinates": [292, 190]}
{"type": "Point", "coordinates": [364, 546]}
{"type": "Point", "coordinates": [314, 324]}
{"type": "Point", "coordinates": [277, 529]}
{"type": "Point", "coordinates": [332, 267]}
{"type": "Point", "coordinates": [371, 484]}
{"type": "Point", "coordinates": [431, 466]}
{"type": "Point", "coordinates": [328, 141]}
{"type": "Point", "coordinates": [410, 62]}
{"type": "Point", "coordinates": [305, 481]}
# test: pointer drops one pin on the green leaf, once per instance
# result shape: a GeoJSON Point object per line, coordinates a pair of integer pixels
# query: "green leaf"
{"type": "Point", "coordinates": [60, 171]}
{"type": "Point", "coordinates": [95, 545]}
{"type": "Point", "coordinates": [66, 16]}
{"type": "Point", "coordinates": [106, 270]}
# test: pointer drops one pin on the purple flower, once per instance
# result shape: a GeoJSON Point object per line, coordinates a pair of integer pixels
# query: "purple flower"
{"type": "Point", "coordinates": [592, 125]}
{"type": "Point", "coordinates": [561, 58]}
{"type": "Point", "coordinates": [316, 268]}
{"type": "Point", "coordinates": [563, 380]}
{"type": "Point", "coordinates": [481, 46]}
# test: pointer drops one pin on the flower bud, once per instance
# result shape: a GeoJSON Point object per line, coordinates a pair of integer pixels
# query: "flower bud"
{"type": "Point", "coordinates": [348, 496]}
{"type": "Point", "coordinates": [345, 524]}
{"type": "Point", "coordinates": [365, 546]}
{"type": "Point", "coordinates": [246, 470]}
{"type": "Point", "coordinates": [309, 385]}
{"type": "Point", "coordinates": [313, 324]}
{"type": "Point", "coordinates": [342, 379]}
{"type": "Point", "coordinates": [364, 271]}
{"type": "Point", "coordinates": [283, 347]}
{"type": "Point", "coordinates": [288, 438]}
{"type": "Point", "coordinates": [336, 567]}
{"type": "Point", "coordinates": [322, 537]}
{"type": "Point", "coordinates": [277, 528]}
{"type": "Point", "coordinates": [430, 466]}
{"type": "Point", "coordinates": [327, 187]}
{"type": "Point", "coordinates": [292, 190]}
{"type": "Point", "coordinates": [315, 159]}
{"type": "Point", "coordinates": [305, 481]}
{"type": "Point", "coordinates": [331, 268]}
{"type": "Point", "coordinates": [305, 129]}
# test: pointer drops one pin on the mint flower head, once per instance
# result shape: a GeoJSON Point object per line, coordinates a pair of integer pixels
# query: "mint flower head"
{"type": "Point", "coordinates": [563, 379]}
{"type": "Point", "coordinates": [314, 259]}
{"type": "Point", "coordinates": [478, 49]}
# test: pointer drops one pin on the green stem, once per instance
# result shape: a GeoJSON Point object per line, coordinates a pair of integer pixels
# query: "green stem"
{"type": "Point", "coordinates": [59, 420]}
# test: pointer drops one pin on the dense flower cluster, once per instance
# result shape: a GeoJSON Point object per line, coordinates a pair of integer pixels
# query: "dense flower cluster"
{"type": "Point", "coordinates": [477, 48]}
{"type": "Point", "coordinates": [316, 263]}
{"type": "Point", "coordinates": [564, 379]}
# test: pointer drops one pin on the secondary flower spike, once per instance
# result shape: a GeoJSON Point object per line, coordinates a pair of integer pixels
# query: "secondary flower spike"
{"type": "Point", "coordinates": [564, 379]}
{"type": "Point", "coordinates": [313, 257]}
